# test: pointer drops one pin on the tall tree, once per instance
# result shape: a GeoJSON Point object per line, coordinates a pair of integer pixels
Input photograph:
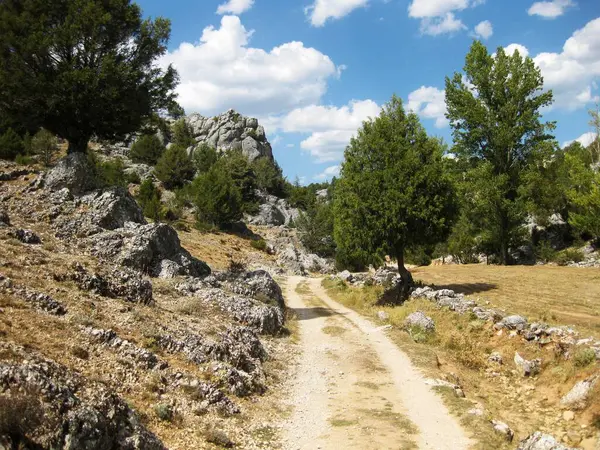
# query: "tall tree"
{"type": "Point", "coordinates": [595, 124]}
{"type": "Point", "coordinates": [494, 110]}
{"type": "Point", "coordinates": [83, 67]}
{"type": "Point", "coordinates": [393, 192]}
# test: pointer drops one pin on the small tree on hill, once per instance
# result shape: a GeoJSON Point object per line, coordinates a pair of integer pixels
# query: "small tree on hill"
{"type": "Point", "coordinates": [218, 198]}
{"type": "Point", "coordinates": [147, 149]}
{"type": "Point", "coordinates": [393, 193]}
{"type": "Point", "coordinates": [174, 167]}
{"type": "Point", "coordinates": [11, 144]}
{"type": "Point", "coordinates": [44, 144]}
{"type": "Point", "coordinates": [83, 67]}
{"type": "Point", "coordinates": [182, 134]}
{"type": "Point", "coordinates": [149, 200]}
{"type": "Point", "coordinates": [204, 157]}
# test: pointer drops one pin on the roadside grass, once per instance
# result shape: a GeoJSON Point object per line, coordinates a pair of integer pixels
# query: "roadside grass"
{"type": "Point", "coordinates": [564, 295]}
{"type": "Point", "coordinates": [458, 351]}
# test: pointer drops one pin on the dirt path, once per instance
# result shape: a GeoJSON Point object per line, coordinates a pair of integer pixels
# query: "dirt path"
{"type": "Point", "coordinates": [354, 388]}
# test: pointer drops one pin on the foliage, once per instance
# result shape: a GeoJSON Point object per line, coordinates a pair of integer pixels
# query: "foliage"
{"type": "Point", "coordinates": [164, 412]}
{"type": "Point", "coordinates": [11, 144]}
{"type": "Point", "coordinates": [109, 172]}
{"type": "Point", "coordinates": [147, 149]}
{"type": "Point", "coordinates": [315, 229]}
{"type": "Point", "coordinates": [149, 200]}
{"type": "Point", "coordinates": [269, 176]}
{"type": "Point", "coordinates": [494, 111]}
{"type": "Point", "coordinates": [218, 198]}
{"type": "Point", "coordinates": [83, 68]}
{"type": "Point", "coordinates": [174, 167]}
{"type": "Point", "coordinates": [182, 134]}
{"type": "Point", "coordinates": [461, 242]}
{"type": "Point", "coordinates": [44, 143]}
{"type": "Point", "coordinates": [585, 196]}
{"type": "Point", "coordinates": [584, 357]}
{"type": "Point", "coordinates": [259, 244]}
{"type": "Point", "coordinates": [419, 256]}
{"type": "Point", "coordinates": [236, 164]}
{"type": "Point", "coordinates": [393, 192]}
{"type": "Point", "coordinates": [594, 147]}
{"type": "Point", "coordinates": [204, 157]}
{"type": "Point", "coordinates": [304, 197]}
{"type": "Point", "coordinates": [544, 252]}
{"type": "Point", "coordinates": [568, 255]}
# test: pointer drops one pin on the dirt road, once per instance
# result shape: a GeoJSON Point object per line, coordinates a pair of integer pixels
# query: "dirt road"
{"type": "Point", "coordinates": [355, 389]}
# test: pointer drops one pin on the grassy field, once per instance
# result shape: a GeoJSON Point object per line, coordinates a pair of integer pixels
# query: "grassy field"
{"type": "Point", "coordinates": [563, 295]}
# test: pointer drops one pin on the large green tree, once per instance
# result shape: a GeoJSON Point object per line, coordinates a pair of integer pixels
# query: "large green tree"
{"type": "Point", "coordinates": [494, 110]}
{"type": "Point", "coordinates": [393, 193]}
{"type": "Point", "coordinates": [83, 68]}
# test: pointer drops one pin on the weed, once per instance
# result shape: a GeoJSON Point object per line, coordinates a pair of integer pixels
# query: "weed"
{"type": "Point", "coordinates": [259, 245]}
{"type": "Point", "coordinates": [336, 422]}
{"type": "Point", "coordinates": [216, 436]}
{"type": "Point", "coordinates": [333, 330]}
{"type": "Point", "coordinates": [584, 357]}
{"type": "Point", "coordinates": [164, 412]}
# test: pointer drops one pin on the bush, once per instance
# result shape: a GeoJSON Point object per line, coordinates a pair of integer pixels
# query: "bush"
{"type": "Point", "coordinates": [218, 199]}
{"type": "Point", "coordinates": [584, 357]}
{"type": "Point", "coordinates": [147, 149]}
{"type": "Point", "coordinates": [44, 144]}
{"type": "Point", "coordinates": [269, 176]}
{"type": "Point", "coordinates": [315, 229]}
{"type": "Point", "coordinates": [11, 144]}
{"type": "Point", "coordinates": [217, 437]}
{"type": "Point", "coordinates": [236, 266]}
{"type": "Point", "coordinates": [174, 167]}
{"type": "Point", "coordinates": [259, 245]}
{"type": "Point", "coordinates": [149, 200]}
{"type": "Point", "coordinates": [418, 257]}
{"type": "Point", "coordinates": [111, 173]}
{"type": "Point", "coordinates": [544, 252]}
{"type": "Point", "coordinates": [24, 160]}
{"type": "Point", "coordinates": [164, 412]}
{"type": "Point", "coordinates": [569, 255]}
{"type": "Point", "coordinates": [204, 157]}
{"type": "Point", "coordinates": [182, 134]}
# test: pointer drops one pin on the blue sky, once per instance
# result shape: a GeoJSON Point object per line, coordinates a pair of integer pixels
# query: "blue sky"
{"type": "Point", "coordinates": [313, 70]}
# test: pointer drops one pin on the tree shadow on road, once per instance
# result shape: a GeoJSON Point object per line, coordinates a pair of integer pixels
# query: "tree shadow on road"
{"type": "Point", "coordinates": [314, 312]}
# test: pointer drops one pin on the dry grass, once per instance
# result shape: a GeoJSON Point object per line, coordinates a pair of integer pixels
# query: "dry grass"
{"type": "Point", "coordinates": [459, 349]}
{"type": "Point", "coordinates": [564, 295]}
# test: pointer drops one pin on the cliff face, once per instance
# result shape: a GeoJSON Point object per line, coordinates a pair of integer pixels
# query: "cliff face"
{"type": "Point", "coordinates": [230, 131]}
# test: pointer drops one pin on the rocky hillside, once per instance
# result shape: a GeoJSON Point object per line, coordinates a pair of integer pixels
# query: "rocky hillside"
{"type": "Point", "coordinates": [141, 344]}
{"type": "Point", "coordinates": [231, 131]}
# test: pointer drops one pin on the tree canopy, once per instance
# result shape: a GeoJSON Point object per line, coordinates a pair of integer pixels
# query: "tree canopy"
{"type": "Point", "coordinates": [393, 192]}
{"type": "Point", "coordinates": [83, 68]}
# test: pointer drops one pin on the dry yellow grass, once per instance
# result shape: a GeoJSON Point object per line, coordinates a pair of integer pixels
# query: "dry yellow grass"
{"type": "Point", "coordinates": [562, 295]}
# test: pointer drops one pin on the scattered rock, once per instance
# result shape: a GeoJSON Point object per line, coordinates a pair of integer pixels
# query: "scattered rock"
{"type": "Point", "coordinates": [112, 208]}
{"type": "Point", "coordinates": [26, 236]}
{"type": "Point", "coordinates": [568, 415]}
{"type": "Point", "coordinates": [71, 172]}
{"type": "Point", "coordinates": [527, 368]}
{"type": "Point", "coordinates": [541, 441]}
{"type": "Point", "coordinates": [345, 276]}
{"type": "Point", "coordinates": [512, 323]}
{"type": "Point", "coordinates": [496, 358]}
{"type": "Point", "coordinates": [420, 320]}
{"type": "Point", "coordinates": [576, 398]}
{"type": "Point", "coordinates": [39, 300]}
{"type": "Point", "coordinates": [503, 429]}
{"type": "Point", "coordinates": [257, 284]}
{"type": "Point", "coordinates": [383, 316]}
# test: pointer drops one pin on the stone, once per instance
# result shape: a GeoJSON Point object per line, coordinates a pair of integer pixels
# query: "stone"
{"type": "Point", "coordinates": [257, 284]}
{"type": "Point", "coordinates": [513, 322]}
{"type": "Point", "coordinates": [568, 415]}
{"type": "Point", "coordinates": [112, 208]}
{"type": "Point", "coordinates": [383, 316]}
{"type": "Point", "coordinates": [345, 276]}
{"type": "Point", "coordinates": [71, 172]}
{"type": "Point", "coordinates": [26, 236]}
{"type": "Point", "coordinates": [541, 441]}
{"type": "Point", "coordinates": [577, 397]}
{"type": "Point", "coordinates": [527, 368]}
{"type": "Point", "coordinates": [418, 319]}
{"type": "Point", "coordinates": [496, 358]}
{"type": "Point", "coordinates": [503, 429]}
{"type": "Point", "coordinates": [273, 211]}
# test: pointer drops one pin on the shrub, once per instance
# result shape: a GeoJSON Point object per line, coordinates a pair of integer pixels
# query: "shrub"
{"type": "Point", "coordinates": [182, 134]}
{"type": "Point", "coordinates": [315, 229]}
{"type": "Point", "coordinates": [218, 199]}
{"type": "Point", "coordinates": [80, 352]}
{"type": "Point", "coordinates": [259, 245]}
{"type": "Point", "coordinates": [269, 176]}
{"type": "Point", "coordinates": [204, 157]}
{"type": "Point", "coordinates": [132, 178]}
{"type": "Point", "coordinates": [19, 415]}
{"type": "Point", "coordinates": [236, 266]}
{"type": "Point", "coordinates": [544, 252]}
{"type": "Point", "coordinates": [24, 160]}
{"type": "Point", "coordinates": [111, 173]}
{"type": "Point", "coordinates": [217, 437]}
{"type": "Point", "coordinates": [147, 149]}
{"type": "Point", "coordinates": [418, 257]}
{"type": "Point", "coordinates": [584, 357]}
{"type": "Point", "coordinates": [164, 412]}
{"type": "Point", "coordinates": [569, 255]}
{"type": "Point", "coordinates": [44, 144]}
{"type": "Point", "coordinates": [174, 167]}
{"type": "Point", "coordinates": [149, 200]}
{"type": "Point", "coordinates": [11, 144]}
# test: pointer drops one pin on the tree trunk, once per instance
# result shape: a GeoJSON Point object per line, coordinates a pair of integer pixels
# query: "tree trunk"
{"type": "Point", "coordinates": [406, 280]}
{"type": "Point", "coordinates": [78, 144]}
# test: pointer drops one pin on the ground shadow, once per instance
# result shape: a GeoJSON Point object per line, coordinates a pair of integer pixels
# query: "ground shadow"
{"type": "Point", "coordinates": [313, 312]}
{"type": "Point", "coordinates": [468, 288]}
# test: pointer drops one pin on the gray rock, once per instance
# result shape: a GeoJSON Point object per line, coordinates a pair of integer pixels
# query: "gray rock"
{"type": "Point", "coordinates": [273, 211]}
{"type": "Point", "coordinates": [512, 323]}
{"type": "Point", "coordinates": [503, 429]}
{"type": "Point", "coordinates": [420, 320]}
{"type": "Point", "coordinates": [26, 236]}
{"type": "Point", "coordinates": [145, 248]}
{"type": "Point", "coordinates": [73, 172]}
{"type": "Point", "coordinates": [383, 316]}
{"type": "Point", "coordinates": [528, 368]}
{"type": "Point", "coordinates": [541, 441]}
{"type": "Point", "coordinates": [113, 208]}
{"type": "Point", "coordinates": [577, 397]}
{"type": "Point", "coordinates": [496, 358]}
{"type": "Point", "coordinates": [345, 276]}
{"type": "Point", "coordinates": [257, 284]}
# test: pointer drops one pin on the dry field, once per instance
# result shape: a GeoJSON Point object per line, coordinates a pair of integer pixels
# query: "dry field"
{"type": "Point", "coordinates": [559, 295]}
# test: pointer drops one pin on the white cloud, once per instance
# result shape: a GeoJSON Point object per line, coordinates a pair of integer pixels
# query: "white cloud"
{"type": "Point", "coordinates": [430, 103]}
{"type": "Point", "coordinates": [572, 74]}
{"type": "Point", "coordinates": [510, 49]}
{"type": "Point", "coordinates": [484, 30]}
{"type": "Point", "coordinates": [222, 71]}
{"type": "Point", "coordinates": [322, 10]}
{"type": "Point", "coordinates": [329, 172]}
{"type": "Point", "coordinates": [330, 127]}
{"type": "Point", "coordinates": [441, 25]}
{"type": "Point", "coordinates": [585, 139]}
{"type": "Point", "coordinates": [438, 16]}
{"type": "Point", "coordinates": [550, 9]}
{"type": "Point", "coordinates": [235, 7]}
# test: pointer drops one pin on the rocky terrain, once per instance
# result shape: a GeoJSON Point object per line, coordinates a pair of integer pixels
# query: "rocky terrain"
{"type": "Point", "coordinates": [115, 336]}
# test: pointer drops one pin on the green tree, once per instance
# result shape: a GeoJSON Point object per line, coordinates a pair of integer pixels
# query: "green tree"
{"type": "Point", "coordinates": [204, 157]}
{"type": "Point", "coordinates": [218, 198]}
{"type": "Point", "coordinates": [494, 111]}
{"type": "Point", "coordinates": [269, 176]}
{"type": "Point", "coordinates": [315, 229]}
{"type": "Point", "coordinates": [149, 200]}
{"type": "Point", "coordinates": [11, 144]}
{"type": "Point", "coordinates": [44, 143]}
{"type": "Point", "coordinates": [182, 134]}
{"type": "Point", "coordinates": [174, 167]}
{"type": "Point", "coordinates": [147, 149]}
{"type": "Point", "coordinates": [83, 67]}
{"type": "Point", "coordinates": [594, 122]}
{"type": "Point", "coordinates": [393, 193]}
{"type": "Point", "coordinates": [585, 195]}
{"type": "Point", "coordinates": [236, 164]}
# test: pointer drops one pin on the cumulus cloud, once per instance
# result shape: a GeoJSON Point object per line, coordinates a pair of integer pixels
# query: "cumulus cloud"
{"type": "Point", "coordinates": [430, 103]}
{"type": "Point", "coordinates": [323, 10]}
{"type": "Point", "coordinates": [438, 16]}
{"type": "Point", "coordinates": [235, 7]}
{"type": "Point", "coordinates": [222, 71]}
{"type": "Point", "coordinates": [510, 49]}
{"type": "Point", "coordinates": [585, 139]}
{"type": "Point", "coordinates": [550, 9]}
{"type": "Point", "coordinates": [328, 173]}
{"type": "Point", "coordinates": [483, 30]}
{"type": "Point", "coordinates": [330, 127]}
